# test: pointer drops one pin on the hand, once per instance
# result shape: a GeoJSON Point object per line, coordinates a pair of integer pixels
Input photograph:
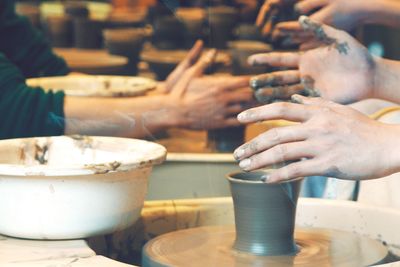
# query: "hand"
{"type": "Point", "coordinates": [331, 140]}
{"type": "Point", "coordinates": [205, 102]}
{"type": "Point", "coordinates": [341, 70]}
{"type": "Point", "coordinates": [214, 101]}
{"type": "Point", "coordinates": [341, 14]}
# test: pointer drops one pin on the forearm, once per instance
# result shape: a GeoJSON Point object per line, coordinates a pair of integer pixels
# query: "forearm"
{"type": "Point", "coordinates": [128, 117]}
{"type": "Point", "coordinates": [387, 80]}
{"type": "Point", "coordinates": [382, 12]}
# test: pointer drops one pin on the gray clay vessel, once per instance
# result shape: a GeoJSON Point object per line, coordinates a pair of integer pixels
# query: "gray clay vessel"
{"type": "Point", "coordinates": [221, 21]}
{"type": "Point", "coordinates": [127, 42]}
{"type": "Point", "coordinates": [264, 214]}
{"type": "Point", "coordinates": [87, 33]}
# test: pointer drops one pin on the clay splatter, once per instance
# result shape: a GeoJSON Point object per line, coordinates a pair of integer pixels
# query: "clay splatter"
{"type": "Point", "coordinates": [320, 34]}
{"type": "Point", "coordinates": [309, 88]}
{"type": "Point", "coordinates": [41, 153]}
{"type": "Point", "coordinates": [265, 80]}
{"type": "Point", "coordinates": [103, 168]}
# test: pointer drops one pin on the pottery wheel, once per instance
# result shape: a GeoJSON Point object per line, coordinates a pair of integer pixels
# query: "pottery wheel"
{"type": "Point", "coordinates": [212, 246]}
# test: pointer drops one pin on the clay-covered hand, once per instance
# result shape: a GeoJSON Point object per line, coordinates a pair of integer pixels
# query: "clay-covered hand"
{"type": "Point", "coordinates": [340, 69]}
{"type": "Point", "coordinates": [341, 14]}
{"type": "Point", "coordinates": [330, 140]}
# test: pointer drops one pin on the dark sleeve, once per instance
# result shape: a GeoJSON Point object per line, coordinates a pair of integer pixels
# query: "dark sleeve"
{"type": "Point", "coordinates": [26, 111]}
{"type": "Point", "coordinates": [25, 46]}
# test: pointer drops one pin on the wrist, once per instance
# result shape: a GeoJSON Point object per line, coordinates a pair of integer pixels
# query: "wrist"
{"type": "Point", "coordinates": [386, 79]}
{"type": "Point", "coordinates": [380, 79]}
{"type": "Point", "coordinates": [391, 150]}
{"type": "Point", "coordinates": [175, 112]}
{"type": "Point", "coordinates": [382, 12]}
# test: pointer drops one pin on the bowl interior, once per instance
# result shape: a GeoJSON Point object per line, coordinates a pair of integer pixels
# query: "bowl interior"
{"type": "Point", "coordinates": [74, 155]}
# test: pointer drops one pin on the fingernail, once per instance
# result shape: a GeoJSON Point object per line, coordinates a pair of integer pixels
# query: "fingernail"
{"type": "Point", "coordinates": [265, 178]}
{"type": "Point", "coordinates": [304, 21]}
{"type": "Point", "coordinates": [251, 61]}
{"type": "Point", "coordinates": [238, 153]}
{"type": "Point", "coordinates": [244, 164]}
{"type": "Point", "coordinates": [297, 99]}
{"type": "Point", "coordinates": [242, 116]}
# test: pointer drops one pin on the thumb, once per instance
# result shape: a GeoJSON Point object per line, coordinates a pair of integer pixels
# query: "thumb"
{"type": "Point", "coordinates": [325, 34]}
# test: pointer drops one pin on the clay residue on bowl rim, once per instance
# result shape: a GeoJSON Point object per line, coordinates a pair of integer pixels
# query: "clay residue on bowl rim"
{"type": "Point", "coordinates": [76, 155]}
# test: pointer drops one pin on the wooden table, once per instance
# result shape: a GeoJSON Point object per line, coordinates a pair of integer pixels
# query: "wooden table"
{"type": "Point", "coordinates": [92, 61]}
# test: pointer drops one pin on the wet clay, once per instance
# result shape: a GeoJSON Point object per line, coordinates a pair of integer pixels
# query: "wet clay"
{"type": "Point", "coordinates": [265, 80]}
{"type": "Point", "coordinates": [284, 92]}
{"type": "Point", "coordinates": [309, 88]}
{"type": "Point", "coordinates": [41, 153]}
{"type": "Point", "coordinates": [321, 36]}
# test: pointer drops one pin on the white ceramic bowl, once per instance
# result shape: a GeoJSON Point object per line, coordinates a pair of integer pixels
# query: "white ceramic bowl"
{"type": "Point", "coordinates": [91, 85]}
{"type": "Point", "coordinates": [73, 186]}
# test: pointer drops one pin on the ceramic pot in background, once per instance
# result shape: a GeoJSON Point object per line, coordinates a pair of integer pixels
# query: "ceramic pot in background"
{"type": "Point", "coordinates": [240, 52]}
{"type": "Point", "coordinates": [127, 18]}
{"type": "Point", "coordinates": [76, 9]}
{"type": "Point", "coordinates": [221, 21]}
{"type": "Point", "coordinates": [169, 33]}
{"type": "Point", "coordinates": [194, 21]}
{"type": "Point", "coordinates": [163, 62]}
{"type": "Point", "coordinates": [264, 214]}
{"type": "Point", "coordinates": [87, 33]}
{"type": "Point", "coordinates": [126, 42]}
{"type": "Point", "coordinates": [59, 30]}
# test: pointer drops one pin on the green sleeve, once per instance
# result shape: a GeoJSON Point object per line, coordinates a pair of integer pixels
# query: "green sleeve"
{"type": "Point", "coordinates": [25, 46]}
{"type": "Point", "coordinates": [26, 111]}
